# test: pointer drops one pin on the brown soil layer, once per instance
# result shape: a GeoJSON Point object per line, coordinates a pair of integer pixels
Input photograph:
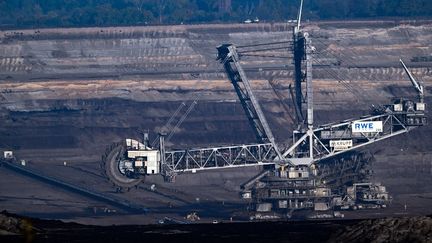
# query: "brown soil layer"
{"type": "Point", "coordinates": [67, 94]}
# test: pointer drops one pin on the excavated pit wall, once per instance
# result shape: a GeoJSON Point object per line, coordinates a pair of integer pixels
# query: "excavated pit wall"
{"type": "Point", "coordinates": [66, 94]}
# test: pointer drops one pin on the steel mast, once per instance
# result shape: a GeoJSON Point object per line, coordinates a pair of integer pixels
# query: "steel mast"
{"type": "Point", "coordinates": [302, 52]}
{"type": "Point", "coordinates": [415, 83]}
{"type": "Point", "coordinates": [228, 56]}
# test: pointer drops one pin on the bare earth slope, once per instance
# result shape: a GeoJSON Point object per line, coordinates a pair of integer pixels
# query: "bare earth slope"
{"type": "Point", "coordinates": [66, 94]}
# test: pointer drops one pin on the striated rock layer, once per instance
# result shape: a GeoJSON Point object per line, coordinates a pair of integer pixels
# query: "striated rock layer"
{"type": "Point", "coordinates": [66, 94]}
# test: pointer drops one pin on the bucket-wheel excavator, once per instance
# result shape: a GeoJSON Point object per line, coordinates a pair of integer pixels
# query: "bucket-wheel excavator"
{"type": "Point", "coordinates": [299, 179]}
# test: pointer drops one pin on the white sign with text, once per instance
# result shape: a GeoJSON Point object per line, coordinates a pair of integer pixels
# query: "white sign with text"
{"type": "Point", "coordinates": [367, 126]}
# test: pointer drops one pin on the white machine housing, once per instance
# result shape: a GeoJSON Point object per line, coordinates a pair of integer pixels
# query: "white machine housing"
{"type": "Point", "coordinates": [143, 156]}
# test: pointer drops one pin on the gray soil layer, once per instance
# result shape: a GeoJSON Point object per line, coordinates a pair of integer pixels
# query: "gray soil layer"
{"type": "Point", "coordinates": [68, 94]}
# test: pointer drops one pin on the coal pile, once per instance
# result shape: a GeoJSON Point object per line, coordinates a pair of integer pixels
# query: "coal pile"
{"type": "Point", "coordinates": [13, 225]}
{"type": "Point", "coordinates": [15, 228]}
{"type": "Point", "coordinates": [415, 229]}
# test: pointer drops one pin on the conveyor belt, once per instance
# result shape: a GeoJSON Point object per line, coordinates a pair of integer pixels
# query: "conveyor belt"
{"type": "Point", "coordinates": [116, 202]}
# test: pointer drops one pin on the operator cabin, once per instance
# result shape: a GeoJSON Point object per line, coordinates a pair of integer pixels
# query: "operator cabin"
{"type": "Point", "coordinates": [143, 156]}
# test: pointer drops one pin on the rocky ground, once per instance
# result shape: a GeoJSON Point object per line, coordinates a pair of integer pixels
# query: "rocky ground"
{"type": "Point", "coordinates": [67, 94]}
{"type": "Point", "coordinates": [416, 229]}
{"type": "Point", "coordinates": [15, 228]}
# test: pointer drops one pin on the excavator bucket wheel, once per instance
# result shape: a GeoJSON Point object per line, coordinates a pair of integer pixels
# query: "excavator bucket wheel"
{"type": "Point", "coordinates": [109, 165]}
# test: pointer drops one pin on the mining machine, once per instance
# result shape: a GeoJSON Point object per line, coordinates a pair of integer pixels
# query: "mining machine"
{"type": "Point", "coordinates": [299, 176]}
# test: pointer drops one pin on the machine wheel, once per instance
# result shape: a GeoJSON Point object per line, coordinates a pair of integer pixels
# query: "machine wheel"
{"type": "Point", "coordinates": [110, 165]}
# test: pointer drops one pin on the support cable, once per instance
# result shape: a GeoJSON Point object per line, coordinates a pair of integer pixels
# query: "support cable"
{"type": "Point", "coordinates": [348, 59]}
{"type": "Point", "coordinates": [265, 44]}
{"type": "Point", "coordinates": [365, 95]}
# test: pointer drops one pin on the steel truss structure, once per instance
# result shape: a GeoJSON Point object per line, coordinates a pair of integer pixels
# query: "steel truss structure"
{"type": "Point", "coordinates": [310, 144]}
{"type": "Point", "coordinates": [336, 172]}
{"type": "Point", "coordinates": [394, 123]}
{"type": "Point", "coordinates": [229, 57]}
{"type": "Point", "coordinates": [219, 157]}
